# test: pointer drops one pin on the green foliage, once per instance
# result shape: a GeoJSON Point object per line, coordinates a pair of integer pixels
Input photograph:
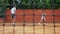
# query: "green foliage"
{"type": "Point", "coordinates": [2, 8]}
{"type": "Point", "coordinates": [57, 4]}
{"type": "Point", "coordinates": [37, 4]}
{"type": "Point", "coordinates": [33, 4]}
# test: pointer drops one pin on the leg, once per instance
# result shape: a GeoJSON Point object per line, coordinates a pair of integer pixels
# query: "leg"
{"type": "Point", "coordinates": [40, 21]}
{"type": "Point", "coordinates": [13, 17]}
{"type": "Point", "coordinates": [44, 20]}
{"type": "Point", "coordinates": [13, 20]}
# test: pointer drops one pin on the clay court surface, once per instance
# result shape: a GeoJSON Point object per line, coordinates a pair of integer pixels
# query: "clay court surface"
{"type": "Point", "coordinates": [29, 28]}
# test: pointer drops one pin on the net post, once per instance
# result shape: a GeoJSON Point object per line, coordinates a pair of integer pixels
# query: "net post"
{"type": "Point", "coordinates": [23, 21]}
{"type": "Point", "coordinates": [33, 22]}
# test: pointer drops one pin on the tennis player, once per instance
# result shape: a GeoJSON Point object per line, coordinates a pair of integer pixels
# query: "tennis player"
{"type": "Point", "coordinates": [43, 18]}
{"type": "Point", "coordinates": [13, 10]}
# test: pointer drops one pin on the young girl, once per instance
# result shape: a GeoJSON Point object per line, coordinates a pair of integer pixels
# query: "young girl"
{"type": "Point", "coordinates": [43, 18]}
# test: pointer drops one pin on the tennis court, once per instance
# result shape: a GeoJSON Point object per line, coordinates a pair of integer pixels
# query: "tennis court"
{"type": "Point", "coordinates": [29, 17]}
{"type": "Point", "coordinates": [29, 28]}
{"type": "Point", "coordinates": [28, 22]}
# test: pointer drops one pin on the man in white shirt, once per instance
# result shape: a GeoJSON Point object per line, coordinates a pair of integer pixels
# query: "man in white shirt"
{"type": "Point", "coordinates": [13, 10]}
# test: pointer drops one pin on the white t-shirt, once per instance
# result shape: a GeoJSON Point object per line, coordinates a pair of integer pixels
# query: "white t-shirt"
{"type": "Point", "coordinates": [13, 10]}
{"type": "Point", "coordinates": [43, 16]}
